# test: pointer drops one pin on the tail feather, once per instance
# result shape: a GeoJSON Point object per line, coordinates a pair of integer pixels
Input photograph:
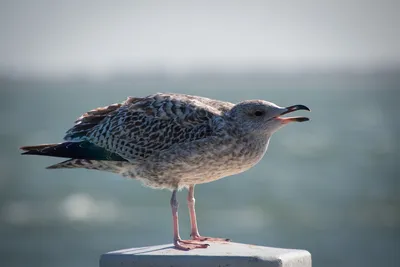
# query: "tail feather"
{"type": "Point", "coordinates": [31, 149]}
{"type": "Point", "coordinates": [74, 150]}
{"type": "Point", "coordinates": [101, 165]}
{"type": "Point", "coordinates": [43, 150]}
{"type": "Point", "coordinates": [71, 163]}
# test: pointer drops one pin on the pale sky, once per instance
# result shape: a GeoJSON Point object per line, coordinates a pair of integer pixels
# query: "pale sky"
{"type": "Point", "coordinates": [54, 37]}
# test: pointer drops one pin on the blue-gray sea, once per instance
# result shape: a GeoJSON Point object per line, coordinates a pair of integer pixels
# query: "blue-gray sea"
{"type": "Point", "coordinates": [330, 186]}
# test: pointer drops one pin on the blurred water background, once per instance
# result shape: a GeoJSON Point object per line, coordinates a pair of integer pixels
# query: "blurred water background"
{"type": "Point", "coordinates": [330, 186]}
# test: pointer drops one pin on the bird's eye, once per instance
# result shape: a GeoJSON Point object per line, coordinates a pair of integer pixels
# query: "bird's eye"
{"type": "Point", "coordinates": [259, 113]}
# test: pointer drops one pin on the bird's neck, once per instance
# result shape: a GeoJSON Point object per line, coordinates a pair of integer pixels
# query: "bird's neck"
{"type": "Point", "coordinates": [256, 143]}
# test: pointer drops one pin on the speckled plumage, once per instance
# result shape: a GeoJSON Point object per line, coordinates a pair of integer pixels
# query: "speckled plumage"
{"type": "Point", "coordinates": [171, 141]}
{"type": "Point", "coordinates": [139, 127]}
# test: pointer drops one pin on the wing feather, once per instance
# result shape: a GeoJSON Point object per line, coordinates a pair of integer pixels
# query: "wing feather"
{"type": "Point", "coordinates": [141, 127]}
{"type": "Point", "coordinates": [88, 121]}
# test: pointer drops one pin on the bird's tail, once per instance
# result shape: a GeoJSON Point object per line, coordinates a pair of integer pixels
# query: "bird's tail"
{"type": "Point", "coordinates": [74, 150]}
{"type": "Point", "coordinates": [44, 150]}
{"type": "Point", "coordinates": [82, 155]}
{"type": "Point", "coordinates": [100, 165]}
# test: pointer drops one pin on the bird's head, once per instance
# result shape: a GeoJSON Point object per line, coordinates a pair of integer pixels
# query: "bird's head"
{"type": "Point", "coordinates": [263, 116]}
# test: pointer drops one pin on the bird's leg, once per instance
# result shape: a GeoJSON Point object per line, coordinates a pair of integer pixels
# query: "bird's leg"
{"type": "Point", "coordinates": [178, 242]}
{"type": "Point", "coordinates": [193, 221]}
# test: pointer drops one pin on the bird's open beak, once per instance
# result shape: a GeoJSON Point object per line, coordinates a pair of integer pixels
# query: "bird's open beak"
{"type": "Point", "coordinates": [292, 119]}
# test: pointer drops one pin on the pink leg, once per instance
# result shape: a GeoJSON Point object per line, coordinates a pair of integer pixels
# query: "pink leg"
{"type": "Point", "coordinates": [178, 242]}
{"type": "Point", "coordinates": [193, 220]}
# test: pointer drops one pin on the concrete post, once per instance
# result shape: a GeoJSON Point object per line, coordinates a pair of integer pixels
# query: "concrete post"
{"type": "Point", "coordinates": [217, 255]}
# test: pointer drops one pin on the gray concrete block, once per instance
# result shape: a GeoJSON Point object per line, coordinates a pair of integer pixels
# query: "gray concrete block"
{"type": "Point", "coordinates": [217, 255]}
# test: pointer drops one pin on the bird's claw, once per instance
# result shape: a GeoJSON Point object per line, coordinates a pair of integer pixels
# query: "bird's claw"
{"type": "Point", "coordinates": [188, 244]}
{"type": "Point", "coordinates": [198, 237]}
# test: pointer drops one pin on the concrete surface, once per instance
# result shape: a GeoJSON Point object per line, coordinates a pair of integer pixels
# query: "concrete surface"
{"type": "Point", "coordinates": [217, 254]}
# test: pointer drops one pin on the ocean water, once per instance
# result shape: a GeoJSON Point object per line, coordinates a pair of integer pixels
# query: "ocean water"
{"type": "Point", "coordinates": [330, 186]}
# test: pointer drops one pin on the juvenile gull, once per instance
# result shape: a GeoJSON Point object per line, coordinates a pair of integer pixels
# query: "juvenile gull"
{"type": "Point", "coordinates": [172, 141]}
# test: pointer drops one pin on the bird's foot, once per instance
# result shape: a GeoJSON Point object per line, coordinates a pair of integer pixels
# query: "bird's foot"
{"type": "Point", "coordinates": [188, 244]}
{"type": "Point", "coordinates": [198, 237]}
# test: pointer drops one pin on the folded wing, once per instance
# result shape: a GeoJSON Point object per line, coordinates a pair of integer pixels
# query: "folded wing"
{"type": "Point", "coordinates": [140, 127]}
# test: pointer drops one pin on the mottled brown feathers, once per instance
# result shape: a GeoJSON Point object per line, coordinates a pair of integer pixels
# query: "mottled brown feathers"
{"type": "Point", "coordinates": [88, 120]}
{"type": "Point", "coordinates": [170, 140]}
{"type": "Point", "coordinates": [139, 127]}
{"type": "Point", "coordinates": [100, 165]}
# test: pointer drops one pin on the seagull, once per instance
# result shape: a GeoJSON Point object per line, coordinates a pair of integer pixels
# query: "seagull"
{"type": "Point", "coordinates": [172, 141]}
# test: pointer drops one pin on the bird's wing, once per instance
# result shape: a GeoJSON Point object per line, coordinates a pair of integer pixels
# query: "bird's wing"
{"type": "Point", "coordinates": [85, 123]}
{"type": "Point", "coordinates": [140, 127]}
